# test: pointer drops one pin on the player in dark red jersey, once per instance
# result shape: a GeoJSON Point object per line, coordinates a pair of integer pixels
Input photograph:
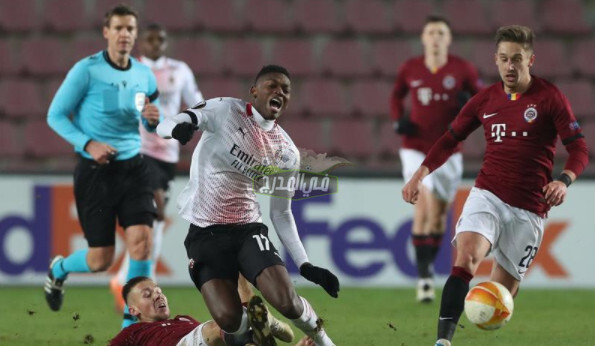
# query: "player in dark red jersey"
{"type": "Point", "coordinates": [155, 327]}
{"type": "Point", "coordinates": [439, 83]}
{"type": "Point", "coordinates": [522, 116]}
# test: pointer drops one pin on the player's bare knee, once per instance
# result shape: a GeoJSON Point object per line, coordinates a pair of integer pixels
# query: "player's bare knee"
{"type": "Point", "coordinates": [467, 261]}
{"type": "Point", "coordinates": [291, 307]}
{"type": "Point", "coordinates": [100, 258]}
{"type": "Point", "coordinates": [435, 223]}
{"type": "Point", "coordinates": [515, 291]}
{"type": "Point", "coordinates": [139, 246]}
{"type": "Point", "coordinates": [140, 251]}
{"type": "Point", "coordinates": [99, 263]}
{"type": "Point", "coordinates": [227, 320]}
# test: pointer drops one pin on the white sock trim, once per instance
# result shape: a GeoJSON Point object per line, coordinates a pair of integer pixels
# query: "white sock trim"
{"type": "Point", "coordinates": [243, 325]}
{"type": "Point", "coordinates": [307, 313]}
{"type": "Point", "coordinates": [123, 271]}
{"type": "Point", "coordinates": [158, 227]}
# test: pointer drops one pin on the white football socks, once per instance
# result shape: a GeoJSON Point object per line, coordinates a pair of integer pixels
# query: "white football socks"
{"type": "Point", "coordinates": [123, 271]}
{"type": "Point", "coordinates": [240, 336]}
{"type": "Point", "coordinates": [158, 227]}
{"type": "Point", "coordinates": [308, 322]}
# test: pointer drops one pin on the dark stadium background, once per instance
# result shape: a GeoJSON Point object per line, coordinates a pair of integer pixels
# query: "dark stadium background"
{"type": "Point", "coordinates": [343, 55]}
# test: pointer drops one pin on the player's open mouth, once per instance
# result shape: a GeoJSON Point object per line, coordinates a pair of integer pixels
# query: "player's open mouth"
{"type": "Point", "coordinates": [276, 104]}
{"type": "Point", "coordinates": [161, 304]}
{"type": "Point", "coordinates": [510, 77]}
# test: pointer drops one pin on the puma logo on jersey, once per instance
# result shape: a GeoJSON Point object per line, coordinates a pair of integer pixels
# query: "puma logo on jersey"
{"type": "Point", "coordinates": [199, 105]}
{"type": "Point", "coordinates": [485, 116]}
{"type": "Point", "coordinates": [242, 131]}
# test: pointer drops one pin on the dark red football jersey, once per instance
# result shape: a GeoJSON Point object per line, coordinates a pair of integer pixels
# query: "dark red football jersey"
{"type": "Point", "coordinates": [159, 333]}
{"type": "Point", "coordinates": [435, 97]}
{"type": "Point", "coordinates": [521, 131]}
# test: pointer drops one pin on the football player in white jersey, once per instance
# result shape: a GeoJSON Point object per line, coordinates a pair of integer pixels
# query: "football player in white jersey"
{"type": "Point", "coordinates": [177, 86]}
{"type": "Point", "coordinates": [241, 142]}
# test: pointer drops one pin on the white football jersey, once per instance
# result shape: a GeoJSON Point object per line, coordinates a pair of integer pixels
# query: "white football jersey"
{"type": "Point", "coordinates": [176, 83]}
{"type": "Point", "coordinates": [237, 144]}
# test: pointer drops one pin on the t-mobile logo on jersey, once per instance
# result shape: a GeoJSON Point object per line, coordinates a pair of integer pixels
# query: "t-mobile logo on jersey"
{"type": "Point", "coordinates": [498, 131]}
{"type": "Point", "coordinates": [424, 95]}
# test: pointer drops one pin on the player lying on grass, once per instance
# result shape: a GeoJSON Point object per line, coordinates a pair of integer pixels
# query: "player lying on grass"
{"type": "Point", "coordinates": [149, 305]}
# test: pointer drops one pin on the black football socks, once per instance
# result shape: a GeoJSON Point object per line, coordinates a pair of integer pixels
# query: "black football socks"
{"type": "Point", "coordinates": [423, 255]}
{"type": "Point", "coordinates": [453, 302]}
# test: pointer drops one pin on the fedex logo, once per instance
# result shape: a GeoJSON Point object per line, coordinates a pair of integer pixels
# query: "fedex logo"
{"type": "Point", "coordinates": [38, 226]}
{"type": "Point", "coordinates": [342, 247]}
{"type": "Point", "coordinates": [379, 239]}
{"type": "Point", "coordinates": [39, 221]}
{"type": "Point", "coordinates": [51, 227]}
{"type": "Point", "coordinates": [44, 227]}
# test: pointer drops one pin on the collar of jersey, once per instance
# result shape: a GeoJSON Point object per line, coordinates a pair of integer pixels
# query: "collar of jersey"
{"type": "Point", "coordinates": [264, 124]}
{"type": "Point", "coordinates": [159, 63]}
{"type": "Point", "coordinates": [112, 64]}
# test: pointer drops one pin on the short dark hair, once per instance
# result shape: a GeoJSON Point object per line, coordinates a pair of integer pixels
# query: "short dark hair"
{"type": "Point", "coordinates": [154, 27]}
{"type": "Point", "coordinates": [272, 69]}
{"type": "Point", "coordinates": [130, 285]}
{"type": "Point", "coordinates": [118, 10]}
{"type": "Point", "coordinates": [517, 34]}
{"type": "Point", "coordinates": [433, 18]}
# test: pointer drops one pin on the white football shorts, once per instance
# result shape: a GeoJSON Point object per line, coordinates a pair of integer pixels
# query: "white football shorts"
{"type": "Point", "coordinates": [194, 338]}
{"type": "Point", "coordinates": [443, 182]}
{"type": "Point", "coordinates": [515, 234]}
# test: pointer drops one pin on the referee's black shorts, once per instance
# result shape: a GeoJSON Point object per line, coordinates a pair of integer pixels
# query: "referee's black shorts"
{"type": "Point", "coordinates": [119, 191]}
{"type": "Point", "coordinates": [162, 173]}
{"type": "Point", "coordinates": [224, 251]}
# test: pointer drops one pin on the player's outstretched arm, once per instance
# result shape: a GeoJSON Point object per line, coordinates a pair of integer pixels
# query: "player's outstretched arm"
{"type": "Point", "coordinates": [286, 229]}
{"type": "Point", "coordinates": [180, 126]}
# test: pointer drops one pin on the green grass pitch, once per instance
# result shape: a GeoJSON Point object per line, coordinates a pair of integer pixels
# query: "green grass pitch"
{"type": "Point", "coordinates": [361, 316]}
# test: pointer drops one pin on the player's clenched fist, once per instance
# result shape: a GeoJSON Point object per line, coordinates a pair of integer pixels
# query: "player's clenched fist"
{"type": "Point", "coordinates": [322, 277]}
{"type": "Point", "coordinates": [183, 132]}
{"type": "Point", "coordinates": [410, 191]}
{"type": "Point", "coordinates": [555, 191]}
{"type": "Point", "coordinates": [102, 153]}
{"type": "Point", "coordinates": [150, 112]}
